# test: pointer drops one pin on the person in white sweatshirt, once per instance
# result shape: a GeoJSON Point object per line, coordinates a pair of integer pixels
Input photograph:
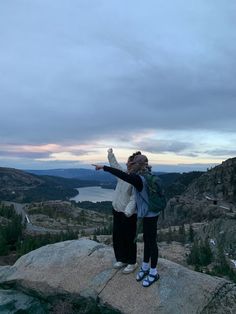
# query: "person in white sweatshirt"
{"type": "Point", "coordinates": [124, 220]}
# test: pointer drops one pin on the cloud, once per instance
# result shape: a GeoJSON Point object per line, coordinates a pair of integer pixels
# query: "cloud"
{"type": "Point", "coordinates": [222, 152]}
{"type": "Point", "coordinates": [83, 72]}
{"type": "Point", "coordinates": [163, 146]}
{"type": "Point", "coordinates": [20, 154]}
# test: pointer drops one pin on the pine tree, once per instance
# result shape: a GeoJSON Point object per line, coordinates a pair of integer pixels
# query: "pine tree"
{"type": "Point", "coordinates": [95, 238]}
{"type": "Point", "coordinates": [205, 254]}
{"type": "Point", "coordinates": [191, 233]}
{"type": "Point", "coordinates": [193, 257]}
{"type": "Point", "coordinates": [182, 234]}
{"type": "Point", "coordinates": [169, 236]}
{"type": "Point", "coordinates": [3, 244]}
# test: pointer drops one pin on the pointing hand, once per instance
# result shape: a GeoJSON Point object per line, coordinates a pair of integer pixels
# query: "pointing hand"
{"type": "Point", "coordinates": [97, 167]}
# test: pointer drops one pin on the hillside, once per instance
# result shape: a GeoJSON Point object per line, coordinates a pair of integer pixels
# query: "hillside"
{"type": "Point", "coordinates": [210, 199]}
{"type": "Point", "coordinates": [20, 186]}
{"type": "Point", "coordinates": [177, 183]}
{"type": "Point", "coordinates": [211, 195]}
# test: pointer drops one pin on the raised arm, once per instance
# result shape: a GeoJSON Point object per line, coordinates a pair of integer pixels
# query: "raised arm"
{"type": "Point", "coordinates": [112, 160]}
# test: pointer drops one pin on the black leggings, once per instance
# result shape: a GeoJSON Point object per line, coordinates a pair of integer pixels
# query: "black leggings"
{"type": "Point", "coordinates": [150, 240]}
{"type": "Point", "coordinates": [124, 232]}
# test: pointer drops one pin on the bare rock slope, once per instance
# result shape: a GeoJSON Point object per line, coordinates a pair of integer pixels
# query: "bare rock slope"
{"type": "Point", "coordinates": [83, 268]}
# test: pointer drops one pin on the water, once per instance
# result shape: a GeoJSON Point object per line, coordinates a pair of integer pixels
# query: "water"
{"type": "Point", "coordinates": [93, 194]}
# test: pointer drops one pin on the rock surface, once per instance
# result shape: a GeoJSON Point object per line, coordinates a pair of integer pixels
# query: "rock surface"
{"type": "Point", "coordinates": [83, 268]}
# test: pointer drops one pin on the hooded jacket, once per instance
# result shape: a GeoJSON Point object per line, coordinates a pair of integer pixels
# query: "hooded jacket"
{"type": "Point", "coordinates": [124, 194]}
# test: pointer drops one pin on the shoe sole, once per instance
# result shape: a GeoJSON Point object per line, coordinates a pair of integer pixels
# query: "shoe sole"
{"type": "Point", "coordinates": [130, 271]}
{"type": "Point", "coordinates": [119, 267]}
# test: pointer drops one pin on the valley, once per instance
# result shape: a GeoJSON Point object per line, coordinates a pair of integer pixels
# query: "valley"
{"type": "Point", "coordinates": [198, 231]}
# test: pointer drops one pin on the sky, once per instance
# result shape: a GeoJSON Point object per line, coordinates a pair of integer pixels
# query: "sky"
{"type": "Point", "coordinates": [80, 76]}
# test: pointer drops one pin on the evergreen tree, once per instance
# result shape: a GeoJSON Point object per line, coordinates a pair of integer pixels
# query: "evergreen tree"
{"type": "Point", "coordinates": [182, 234]}
{"type": "Point", "coordinates": [191, 233]}
{"type": "Point", "coordinates": [95, 238]}
{"type": "Point", "coordinates": [205, 254]}
{"type": "Point", "coordinates": [160, 236]}
{"type": "Point", "coordinates": [3, 244]}
{"type": "Point", "coordinates": [169, 235]}
{"type": "Point", "coordinates": [193, 258]}
{"type": "Point", "coordinates": [222, 265]}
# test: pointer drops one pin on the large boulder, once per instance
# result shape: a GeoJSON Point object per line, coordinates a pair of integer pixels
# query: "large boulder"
{"type": "Point", "coordinates": [83, 268]}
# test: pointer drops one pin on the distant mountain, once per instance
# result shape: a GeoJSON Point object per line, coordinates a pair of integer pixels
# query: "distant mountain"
{"type": "Point", "coordinates": [20, 186]}
{"type": "Point", "coordinates": [177, 183]}
{"type": "Point", "coordinates": [82, 174]}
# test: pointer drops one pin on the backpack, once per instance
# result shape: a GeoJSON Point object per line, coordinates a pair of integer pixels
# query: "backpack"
{"type": "Point", "coordinates": [156, 197]}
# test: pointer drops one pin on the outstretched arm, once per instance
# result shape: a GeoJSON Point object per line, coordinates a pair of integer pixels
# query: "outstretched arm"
{"type": "Point", "coordinates": [131, 178]}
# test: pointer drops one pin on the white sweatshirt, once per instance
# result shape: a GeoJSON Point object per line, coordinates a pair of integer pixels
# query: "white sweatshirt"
{"type": "Point", "coordinates": [124, 196]}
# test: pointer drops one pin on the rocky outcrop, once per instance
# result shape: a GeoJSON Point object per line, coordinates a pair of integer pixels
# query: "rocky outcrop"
{"type": "Point", "coordinates": [83, 269]}
{"type": "Point", "coordinates": [218, 182]}
{"type": "Point", "coordinates": [211, 196]}
{"type": "Point", "coordinates": [220, 233]}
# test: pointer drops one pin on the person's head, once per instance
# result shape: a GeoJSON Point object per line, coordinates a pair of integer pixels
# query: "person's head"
{"type": "Point", "coordinates": [138, 163]}
{"type": "Point", "coordinates": [130, 160]}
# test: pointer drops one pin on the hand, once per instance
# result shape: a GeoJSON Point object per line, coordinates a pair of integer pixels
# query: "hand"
{"type": "Point", "coordinates": [127, 213]}
{"type": "Point", "coordinates": [97, 167]}
{"type": "Point", "coordinates": [110, 150]}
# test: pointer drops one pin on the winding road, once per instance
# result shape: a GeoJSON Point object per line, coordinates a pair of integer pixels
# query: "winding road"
{"type": "Point", "coordinates": [19, 208]}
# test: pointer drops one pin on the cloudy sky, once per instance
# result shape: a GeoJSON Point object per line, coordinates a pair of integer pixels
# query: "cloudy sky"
{"type": "Point", "coordinates": [80, 76]}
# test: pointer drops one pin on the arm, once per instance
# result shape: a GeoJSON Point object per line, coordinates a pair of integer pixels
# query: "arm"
{"type": "Point", "coordinates": [131, 206]}
{"type": "Point", "coordinates": [112, 160]}
{"type": "Point", "coordinates": [132, 178]}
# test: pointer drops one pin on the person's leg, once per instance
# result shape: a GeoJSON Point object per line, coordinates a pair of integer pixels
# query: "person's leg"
{"type": "Point", "coordinates": [144, 270]}
{"type": "Point", "coordinates": [152, 240]}
{"type": "Point", "coordinates": [150, 230]}
{"type": "Point", "coordinates": [130, 244]}
{"type": "Point", "coordinates": [146, 240]}
{"type": "Point", "coordinates": [118, 236]}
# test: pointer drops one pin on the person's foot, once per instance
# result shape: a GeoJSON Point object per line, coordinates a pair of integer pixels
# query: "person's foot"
{"type": "Point", "coordinates": [118, 265]}
{"type": "Point", "coordinates": [142, 274]}
{"type": "Point", "coordinates": [130, 268]}
{"type": "Point", "coordinates": [150, 279]}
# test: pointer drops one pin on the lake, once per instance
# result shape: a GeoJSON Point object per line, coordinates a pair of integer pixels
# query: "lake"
{"type": "Point", "coordinates": [93, 194]}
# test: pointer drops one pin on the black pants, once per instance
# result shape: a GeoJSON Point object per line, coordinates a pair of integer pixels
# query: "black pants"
{"type": "Point", "coordinates": [150, 240]}
{"type": "Point", "coordinates": [124, 232]}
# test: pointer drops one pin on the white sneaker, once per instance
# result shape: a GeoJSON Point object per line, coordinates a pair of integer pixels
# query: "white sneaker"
{"type": "Point", "coordinates": [118, 265]}
{"type": "Point", "coordinates": [130, 268]}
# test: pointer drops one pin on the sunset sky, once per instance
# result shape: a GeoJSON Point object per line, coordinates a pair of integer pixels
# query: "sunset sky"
{"type": "Point", "coordinates": [80, 76]}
